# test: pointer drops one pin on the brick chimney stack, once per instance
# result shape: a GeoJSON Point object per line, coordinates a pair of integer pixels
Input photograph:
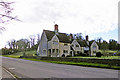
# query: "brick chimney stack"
{"type": "Point", "coordinates": [56, 28]}
{"type": "Point", "coordinates": [87, 37]}
{"type": "Point", "coordinates": [71, 37]}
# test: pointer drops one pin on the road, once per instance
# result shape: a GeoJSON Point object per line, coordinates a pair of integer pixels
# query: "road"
{"type": "Point", "coordinates": [4, 74]}
{"type": "Point", "coordinates": [33, 69]}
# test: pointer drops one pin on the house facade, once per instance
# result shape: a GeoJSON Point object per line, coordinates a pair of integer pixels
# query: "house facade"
{"type": "Point", "coordinates": [75, 47]}
{"type": "Point", "coordinates": [93, 48]}
{"type": "Point", "coordinates": [56, 44]}
{"type": "Point", "coordinates": [80, 47]}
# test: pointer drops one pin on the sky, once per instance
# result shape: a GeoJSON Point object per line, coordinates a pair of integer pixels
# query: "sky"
{"type": "Point", "coordinates": [95, 18]}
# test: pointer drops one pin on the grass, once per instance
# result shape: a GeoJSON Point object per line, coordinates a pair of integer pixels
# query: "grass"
{"type": "Point", "coordinates": [78, 63]}
{"type": "Point", "coordinates": [110, 51]}
{"type": "Point", "coordinates": [103, 57]}
{"type": "Point", "coordinates": [17, 55]}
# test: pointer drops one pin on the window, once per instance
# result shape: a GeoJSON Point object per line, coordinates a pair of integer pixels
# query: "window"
{"type": "Point", "coordinates": [65, 51]}
{"type": "Point", "coordinates": [44, 51]}
{"type": "Point", "coordinates": [94, 46]}
{"type": "Point", "coordinates": [78, 52]}
{"type": "Point", "coordinates": [56, 50]}
{"type": "Point", "coordinates": [77, 45]}
{"type": "Point", "coordinates": [55, 42]}
{"type": "Point", "coordinates": [72, 45]}
{"type": "Point", "coordinates": [53, 50]}
{"type": "Point", "coordinates": [65, 44]}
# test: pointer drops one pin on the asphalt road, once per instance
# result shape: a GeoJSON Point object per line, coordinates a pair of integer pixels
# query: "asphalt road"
{"type": "Point", "coordinates": [33, 69]}
{"type": "Point", "coordinates": [5, 74]}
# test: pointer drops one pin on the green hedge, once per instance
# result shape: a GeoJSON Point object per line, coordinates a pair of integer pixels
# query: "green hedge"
{"type": "Point", "coordinates": [111, 62]}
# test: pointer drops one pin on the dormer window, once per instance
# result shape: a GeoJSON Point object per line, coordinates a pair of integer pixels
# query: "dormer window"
{"type": "Point", "coordinates": [72, 45]}
{"type": "Point", "coordinates": [94, 46]}
{"type": "Point", "coordinates": [77, 45]}
{"type": "Point", "coordinates": [65, 51]}
{"type": "Point", "coordinates": [55, 42]}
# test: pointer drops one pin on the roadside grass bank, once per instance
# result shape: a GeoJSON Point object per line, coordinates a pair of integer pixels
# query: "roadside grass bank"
{"type": "Point", "coordinates": [70, 61]}
{"type": "Point", "coordinates": [102, 57]}
{"type": "Point", "coordinates": [85, 64]}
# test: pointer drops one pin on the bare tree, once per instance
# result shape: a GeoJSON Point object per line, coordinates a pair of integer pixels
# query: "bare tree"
{"type": "Point", "coordinates": [32, 38]}
{"type": "Point", "coordinates": [6, 13]}
{"type": "Point", "coordinates": [38, 38]}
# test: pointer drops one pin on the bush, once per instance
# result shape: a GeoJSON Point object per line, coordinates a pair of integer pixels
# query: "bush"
{"type": "Point", "coordinates": [81, 54]}
{"type": "Point", "coordinates": [98, 54]}
{"type": "Point", "coordinates": [6, 51]}
{"type": "Point", "coordinates": [69, 56]}
{"type": "Point", "coordinates": [111, 62]}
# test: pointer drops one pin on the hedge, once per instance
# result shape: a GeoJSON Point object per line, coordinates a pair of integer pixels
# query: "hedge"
{"type": "Point", "coordinates": [111, 62]}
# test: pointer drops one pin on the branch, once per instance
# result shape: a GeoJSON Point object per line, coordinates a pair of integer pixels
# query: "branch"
{"type": "Point", "coordinates": [10, 17]}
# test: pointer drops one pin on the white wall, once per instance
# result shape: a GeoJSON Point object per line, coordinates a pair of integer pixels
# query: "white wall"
{"type": "Point", "coordinates": [94, 48]}
{"type": "Point", "coordinates": [74, 43]}
{"type": "Point", "coordinates": [62, 48]}
{"type": "Point", "coordinates": [43, 46]}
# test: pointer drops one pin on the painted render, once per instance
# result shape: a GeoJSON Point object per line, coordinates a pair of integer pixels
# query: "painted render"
{"type": "Point", "coordinates": [52, 48]}
{"type": "Point", "coordinates": [55, 44]}
{"type": "Point", "coordinates": [94, 48]}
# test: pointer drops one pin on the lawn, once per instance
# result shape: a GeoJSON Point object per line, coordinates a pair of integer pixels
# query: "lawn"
{"type": "Point", "coordinates": [109, 51]}
{"type": "Point", "coordinates": [103, 57]}
{"type": "Point", "coordinates": [18, 54]}
{"type": "Point", "coordinates": [78, 63]}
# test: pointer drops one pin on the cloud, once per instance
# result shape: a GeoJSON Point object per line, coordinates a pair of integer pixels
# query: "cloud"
{"type": "Point", "coordinates": [72, 16]}
{"type": "Point", "coordinates": [91, 16]}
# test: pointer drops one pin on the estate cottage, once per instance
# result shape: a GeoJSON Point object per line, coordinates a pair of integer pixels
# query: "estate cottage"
{"type": "Point", "coordinates": [56, 44]}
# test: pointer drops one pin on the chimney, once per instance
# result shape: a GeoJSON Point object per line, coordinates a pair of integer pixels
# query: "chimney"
{"type": "Point", "coordinates": [56, 28]}
{"type": "Point", "coordinates": [87, 38]}
{"type": "Point", "coordinates": [71, 37]}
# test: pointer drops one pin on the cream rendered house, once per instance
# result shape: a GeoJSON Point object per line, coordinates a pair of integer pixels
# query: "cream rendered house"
{"type": "Point", "coordinates": [75, 47]}
{"type": "Point", "coordinates": [84, 46]}
{"type": "Point", "coordinates": [79, 46]}
{"type": "Point", "coordinates": [54, 44]}
{"type": "Point", "coordinates": [93, 48]}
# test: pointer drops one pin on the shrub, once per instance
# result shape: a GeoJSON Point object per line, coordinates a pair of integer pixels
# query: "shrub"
{"type": "Point", "coordinates": [98, 54]}
{"type": "Point", "coordinates": [69, 56]}
{"type": "Point", "coordinates": [84, 54]}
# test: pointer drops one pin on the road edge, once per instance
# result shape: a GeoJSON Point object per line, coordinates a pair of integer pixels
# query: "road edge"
{"type": "Point", "coordinates": [10, 73]}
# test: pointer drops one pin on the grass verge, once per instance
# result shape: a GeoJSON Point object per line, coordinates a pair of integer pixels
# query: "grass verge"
{"type": "Point", "coordinates": [102, 57]}
{"type": "Point", "coordinates": [78, 64]}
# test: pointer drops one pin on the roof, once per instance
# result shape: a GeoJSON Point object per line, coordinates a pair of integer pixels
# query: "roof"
{"type": "Point", "coordinates": [61, 36]}
{"type": "Point", "coordinates": [90, 42]}
{"type": "Point", "coordinates": [82, 43]}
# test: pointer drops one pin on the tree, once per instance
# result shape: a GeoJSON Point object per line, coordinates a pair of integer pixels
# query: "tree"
{"type": "Point", "coordinates": [38, 38]}
{"type": "Point", "coordinates": [5, 13]}
{"type": "Point", "coordinates": [32, 38]}
{"type": "Point", "coordinates": [112, 44]}
{"type": "Point", "coordinates": [118, 46]}
{"type": "Point", "coordinates": [98, 54]}
{"type": "Point", "coordinates": [13, 43]}
{"type": "Point", "coordinates": [79, 36]}
{"type": "Point", "coordinates": [104, 45]}
{"type": "Point", "coordinates": [23, 44]}
{"type": "Point", "coordinates": [99, 40]}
